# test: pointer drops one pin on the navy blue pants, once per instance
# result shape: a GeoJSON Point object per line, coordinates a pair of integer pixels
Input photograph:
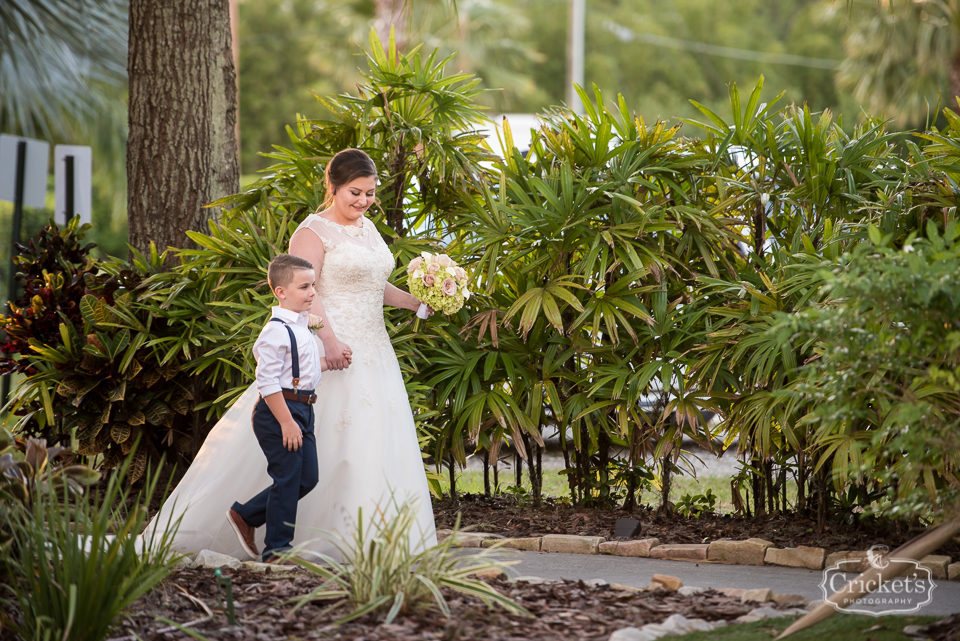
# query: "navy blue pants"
{"type": "Point", "coordinates": [294, 474]}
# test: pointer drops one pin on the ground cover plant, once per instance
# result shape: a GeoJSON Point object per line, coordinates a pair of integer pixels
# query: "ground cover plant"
{"type": "Point", "coordinates": [381, 570]}
{"type": "Point", "coordinates": [73, 563]}
{"type": "Point", "coordinates": [561, 610]}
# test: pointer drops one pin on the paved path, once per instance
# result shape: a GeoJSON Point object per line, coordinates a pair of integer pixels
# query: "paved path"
{"type": "Point", "coordinates": [637, 572]}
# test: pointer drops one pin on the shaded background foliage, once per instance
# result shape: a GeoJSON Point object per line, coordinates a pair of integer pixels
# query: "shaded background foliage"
{"type": "Point", "coordinates": [627, 278]}
{"type": "Point", "coordinates": [656, 53]}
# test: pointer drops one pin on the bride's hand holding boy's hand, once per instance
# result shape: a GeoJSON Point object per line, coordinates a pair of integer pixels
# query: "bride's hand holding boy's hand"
{"type": "Point", "coordinates": [337, 359]}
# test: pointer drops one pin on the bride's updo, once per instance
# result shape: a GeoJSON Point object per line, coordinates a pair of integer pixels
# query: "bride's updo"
{"type": "Point", "coordinates": [344, 167]}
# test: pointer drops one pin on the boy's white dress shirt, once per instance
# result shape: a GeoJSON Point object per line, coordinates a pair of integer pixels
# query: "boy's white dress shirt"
{"type": "Point", "coordinates": [274, 358]}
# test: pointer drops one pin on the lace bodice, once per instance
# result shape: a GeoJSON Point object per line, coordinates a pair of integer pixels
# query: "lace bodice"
{"type": "Point", "coordinates": [356, 266]}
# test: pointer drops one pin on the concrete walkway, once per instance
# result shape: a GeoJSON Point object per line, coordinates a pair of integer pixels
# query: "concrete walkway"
{"type": "Point", "coordinates": [637, 572]}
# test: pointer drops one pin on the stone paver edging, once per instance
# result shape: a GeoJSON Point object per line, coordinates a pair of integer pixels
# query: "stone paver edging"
{"type": "Point", "coordinates": [750, 552]}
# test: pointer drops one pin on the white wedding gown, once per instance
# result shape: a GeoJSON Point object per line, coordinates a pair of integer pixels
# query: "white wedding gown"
{"type": "Point", "coordinates": [366, 439]}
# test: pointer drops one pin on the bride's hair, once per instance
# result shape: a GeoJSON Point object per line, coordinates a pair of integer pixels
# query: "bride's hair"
{"type": "Point", "coordinates": [344, 167]}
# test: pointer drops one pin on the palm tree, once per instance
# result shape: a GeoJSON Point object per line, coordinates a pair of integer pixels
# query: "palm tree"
{"type": "Point", "coordinates": [901, 55]}
{"type": "Point", "coordinates": [60, 62]}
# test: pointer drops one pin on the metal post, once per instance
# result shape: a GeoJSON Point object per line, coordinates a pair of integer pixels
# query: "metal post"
{"type": "Point", "coordinates": [71, 211]}
{"type": "Point", "coordinates": [19, 180]}
{"type": "Point", "coordinates": [578, 19]}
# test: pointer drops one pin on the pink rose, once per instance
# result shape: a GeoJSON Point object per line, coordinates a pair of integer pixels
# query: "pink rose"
{"type": "Point", "coordinates": [460, 273]}
{"type": "Point", "coordinates": [445, 261]}
{"type": "Point", "coordinates": [414, 265]}
{"type": "Point", "coordinates": [433, 268]}
{"type": "Point", "coordinates": [429, 280]}
{"type": "Point", "coordinates": [449, 288]}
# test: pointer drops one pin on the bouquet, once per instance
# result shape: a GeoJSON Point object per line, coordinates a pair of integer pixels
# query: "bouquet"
{"type": "Point", "coordinates": [437, 281]}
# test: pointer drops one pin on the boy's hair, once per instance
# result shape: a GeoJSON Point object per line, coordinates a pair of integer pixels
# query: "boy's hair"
{"type": "Point", "coordinates": [281, 269]}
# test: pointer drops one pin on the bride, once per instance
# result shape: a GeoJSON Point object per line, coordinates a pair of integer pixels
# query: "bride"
{"type": "Point", "coordinates": [367, 446]}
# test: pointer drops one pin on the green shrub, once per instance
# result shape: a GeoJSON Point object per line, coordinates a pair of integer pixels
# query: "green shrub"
{"type": "Point", "coordinates": [102, 381]}
{"type": "Point", "coordinates": [380, 570]}
{"type": "Point", "coordinates": [79, 563]}
{"type": "Point", "coordinates": [103, 345]}
{"type": "Point", "coordinates": [886, 383]}
{"type": "Point", "coordinates": [697, 504]}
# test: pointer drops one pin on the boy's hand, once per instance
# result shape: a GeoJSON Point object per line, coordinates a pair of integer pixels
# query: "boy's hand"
{"type": "Point", "coordinates": [348, 354]}
{"type": "Point", "coordinates": [289, 430]}
{"type": "Point", "coordinates": [334, 351]}
{"type": "Point", "coordinates": [292, 436]}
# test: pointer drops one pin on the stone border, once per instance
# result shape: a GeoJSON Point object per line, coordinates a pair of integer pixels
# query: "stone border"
{"type": "Point", "coordinates": [749, 552]}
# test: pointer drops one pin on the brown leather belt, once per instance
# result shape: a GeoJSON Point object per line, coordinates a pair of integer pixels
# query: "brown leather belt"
{"type": "Point", "coordinates": [300, 397]}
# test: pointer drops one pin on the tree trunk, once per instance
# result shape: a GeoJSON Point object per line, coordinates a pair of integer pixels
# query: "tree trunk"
{"type": "Point", "coordinates": [759, 229]}
{"type": "Point", "coordinates": [771, 488]}
{"type": "Point", "coordinates": [759, 487]}
{"type": "Point", "coordinates": [182, 146]}
{"type": "Point", "coordinates": [486, 473]}
{"type": "Point", "coordinates": [534, 469]}
{"type": "Point", "coordinates": [392, 13]}
{"type": "Point", "coordinates": [822, 500]}
{"type": "Point", "coordinates": [801, 484]}
{"type": "Point", "coordinates": [451, 470]}
{"type": "Point", "coordinates": [518, 461]}
{"type": "Point", "coordinates": [665, 483]}
{"type": "Point", "coordinates": [954, 81]}
{"type": "Point", "coordinates": [571, 478]}
{"type": "Point", "coordinates": [235, 40]}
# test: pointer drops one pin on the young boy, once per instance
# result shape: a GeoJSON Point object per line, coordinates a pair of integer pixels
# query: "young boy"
{"type": "Point", "coordinates": [288, 370]}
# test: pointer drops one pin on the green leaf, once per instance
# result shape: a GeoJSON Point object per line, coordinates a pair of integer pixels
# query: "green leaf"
{"type": "Point", "coordinates": [157, 412]}
{"type": "Point", "coordinates": [120, 433]}
{"type": "Point", "coordinates": [118, 391]}
{"type": "Point", "coordinates": [69, 387]}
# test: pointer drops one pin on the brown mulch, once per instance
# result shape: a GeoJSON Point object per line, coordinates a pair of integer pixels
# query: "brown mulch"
{"type": "Point", "coordinates": [563, 611]}
{"type": "Point", "coordinates": [502, 515]}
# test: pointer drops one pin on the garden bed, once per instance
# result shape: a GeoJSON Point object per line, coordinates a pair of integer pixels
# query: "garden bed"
{"type": "Point", "coordinates": [564, 611]}
{"type": "Point", "coordinates": [502, 515]}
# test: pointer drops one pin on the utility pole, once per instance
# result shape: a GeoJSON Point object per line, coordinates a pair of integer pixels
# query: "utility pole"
{"type": "Point", "coordinates": [577, 22]}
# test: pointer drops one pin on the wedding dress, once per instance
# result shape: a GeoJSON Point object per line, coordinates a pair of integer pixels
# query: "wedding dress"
{"type": "Point", "coordinates": [366, 439]}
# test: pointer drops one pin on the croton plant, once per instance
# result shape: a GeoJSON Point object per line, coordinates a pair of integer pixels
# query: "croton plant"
{"type": "Point", "coordinates": [91, 375]}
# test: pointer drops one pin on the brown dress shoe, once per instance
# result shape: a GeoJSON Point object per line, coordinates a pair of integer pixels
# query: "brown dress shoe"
{"type": "Point", "coordinates": [244, 533]}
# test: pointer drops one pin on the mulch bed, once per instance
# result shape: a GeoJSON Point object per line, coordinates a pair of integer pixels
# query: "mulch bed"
{"type": "Point", "coordinates": [563, 611]}
{"type": "Point", "coordinates": [502, 515]}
